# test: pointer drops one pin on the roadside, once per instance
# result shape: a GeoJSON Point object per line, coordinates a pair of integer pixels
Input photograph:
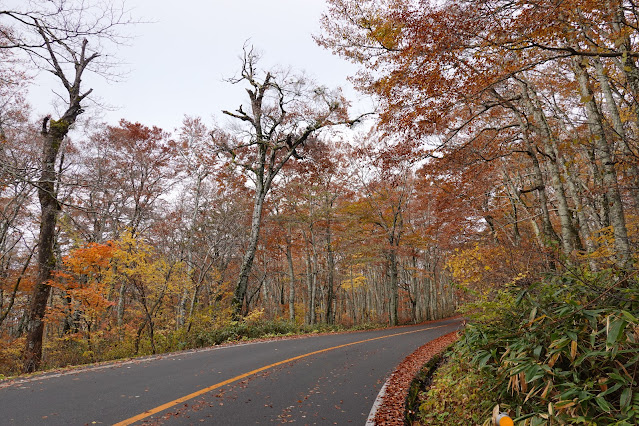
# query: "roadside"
{"type": "Point", "coordinates": [241, 332]}
{"type": "Point", "coordinates": [451, 391]}
{"type": "Point", "coordinates": [391, 410]}
{"type": "Point", "coordinates": [236, 334]}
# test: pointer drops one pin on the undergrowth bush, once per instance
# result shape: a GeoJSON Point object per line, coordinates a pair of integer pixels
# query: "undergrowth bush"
{"type": "Point", "coordinates": [77, 349]}
{"type": "Point", "coordinates": [455, 393]}
{"type": "Point", "coordinates": [11, 356]}
{"type": "Point", "coordinates": [242, 330]}
{"type": "Point", "coordinates": [563, 351]}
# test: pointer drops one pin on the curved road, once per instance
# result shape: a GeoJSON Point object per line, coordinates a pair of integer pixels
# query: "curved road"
{"type": "Point", "coordinates": [328, 379]}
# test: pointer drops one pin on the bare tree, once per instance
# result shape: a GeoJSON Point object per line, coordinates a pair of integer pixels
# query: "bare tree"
{"type": "Point", "coordinates": [18, 168]}
{"type": "Point", "coordinates": [284, 111]}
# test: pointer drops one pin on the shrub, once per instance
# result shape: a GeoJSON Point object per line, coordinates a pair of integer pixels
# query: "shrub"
{"type": "Point", "coordinates": [566, 351]}
{"type": "Point", "coordinates": [11, 355]}
{"type": "Point", "coordinates": [459, 394]}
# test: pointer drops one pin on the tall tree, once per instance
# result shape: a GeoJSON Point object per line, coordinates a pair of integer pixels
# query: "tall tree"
{"type": "Point", "coordinates": [490, 80]}
{"type": "Point", "coordinates": [284, 110]}
{"type": "Point", "coordinates": [56, 38]}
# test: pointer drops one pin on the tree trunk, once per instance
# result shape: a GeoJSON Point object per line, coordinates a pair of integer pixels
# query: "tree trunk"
{"type": "Point", "coordinates": [310, 283]}
{"type": "Point", "coordinates": [247, 261]}
{"type": "Point", "coordinates": [330, 312]}
{"type": "Point", "coordinates": [352, 291]}
{"type": "Point", "coordinates": [613, 110]}
{"type": "Point", "coordinates": [50, 207]}
{"type": "Point", "coordinates": [595, 124]}
{"type": "Point", "coordinates": [291, 274]}
{"type": "Point", "coordinates": [568, 233]}
{"type": "Point", "coordinates": [393, 292]}
{"type": "Point", "coordinates": [121, 303]}
{"type": "Point", "coordinates": [181, 311]}
{"type": "Point", "coordinates": [49, 204]}
{"type": "Point", "coordinates": [549, 235]}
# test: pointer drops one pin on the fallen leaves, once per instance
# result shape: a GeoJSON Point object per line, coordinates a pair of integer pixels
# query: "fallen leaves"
{"type": "Point", "coordinates": [391, 410]}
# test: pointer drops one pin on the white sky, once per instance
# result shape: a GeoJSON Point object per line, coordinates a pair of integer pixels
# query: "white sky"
{"type": "Point", "coordinates": [176, 65]}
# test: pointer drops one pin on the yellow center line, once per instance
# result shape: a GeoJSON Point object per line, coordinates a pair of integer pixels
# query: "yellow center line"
{"type": "Point", "coordinates": [185, 398]}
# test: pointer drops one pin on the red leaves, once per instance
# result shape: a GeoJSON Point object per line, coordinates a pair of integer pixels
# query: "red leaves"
{"type": "Point", "coordinates": [391, 411]}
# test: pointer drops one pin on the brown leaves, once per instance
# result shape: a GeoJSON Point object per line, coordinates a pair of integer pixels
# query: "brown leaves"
{"type": "Point", "coordinates": [391, 412]}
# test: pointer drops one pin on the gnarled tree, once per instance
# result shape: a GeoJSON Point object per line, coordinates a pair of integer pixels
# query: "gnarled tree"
{"type": "Point", "coordinates": [55, 36]}
{"type": "Point", "coordinates": [283, 112]}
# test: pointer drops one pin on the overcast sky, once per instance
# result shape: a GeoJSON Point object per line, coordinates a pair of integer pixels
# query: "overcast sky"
{"type": "Point", "coordinates": [177, 63]}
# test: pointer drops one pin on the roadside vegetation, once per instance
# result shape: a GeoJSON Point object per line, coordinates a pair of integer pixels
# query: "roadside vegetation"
{"type": "Point", "coordinates": [564, 350]}
{"type": "Point", "coordinates": [72, 350]}
{"type": "Point", "coordinates": [451, 391]}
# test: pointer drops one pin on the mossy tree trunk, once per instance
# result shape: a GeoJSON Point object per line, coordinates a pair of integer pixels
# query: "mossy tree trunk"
{"type": "Point", "coordinates": [53, 134]}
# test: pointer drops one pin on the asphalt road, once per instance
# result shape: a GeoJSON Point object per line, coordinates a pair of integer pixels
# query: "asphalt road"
{"type": "Point", "coordinates": [323, 380]}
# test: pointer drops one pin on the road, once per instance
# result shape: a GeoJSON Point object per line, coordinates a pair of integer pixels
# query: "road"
{"type": "Point", "coordinates": [327, 379]}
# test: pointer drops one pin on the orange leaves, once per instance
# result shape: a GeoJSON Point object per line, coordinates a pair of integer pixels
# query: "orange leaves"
{"type": "Point", "coordinates": [85, 276]}
{"type": "Point", "coordinates": [93, 258]}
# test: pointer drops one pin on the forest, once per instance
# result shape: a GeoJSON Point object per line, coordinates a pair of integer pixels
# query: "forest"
{"type": "Point", "coordinates": [122, 240]}
{"type": "Point", "coordinates": [498, 179]}
{"type": "Point", "coordinates": [527, 113]}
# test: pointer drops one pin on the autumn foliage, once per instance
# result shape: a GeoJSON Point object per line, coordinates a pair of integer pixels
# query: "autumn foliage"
{"type": "Point", "coordinates": [153, 228]}
{"type": "Point", "coordinates": [505, 155]}
{"type": "Point", "coordinates": [525, 117]}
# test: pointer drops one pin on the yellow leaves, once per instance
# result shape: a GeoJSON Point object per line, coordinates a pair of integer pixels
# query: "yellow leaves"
{"type": "Point", "coordinates": [360, 209]}
{"type": "Point", "coordinates": [254, 316]}
{"type": "Point", "coordinates": [92, 273]}
{"type": "Point", "coordinates": [520, 276]}
{"type": "Point", "coordinates": [357, 282]}
{"type": "Point", "coordinates": [586, 99]}
{"type": "Point", "coordinates": [380, 29]}
{"type": "Point", "coordinates": [388, 35]}
{"type": "Point", "coordinates": [604, 239]}
{"type": "Point", "coordinates": [139, 263]}
{"type": "Point", "coordinates": [476, 267]}
{"type": "Point", "coordinates": [464, 264]}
